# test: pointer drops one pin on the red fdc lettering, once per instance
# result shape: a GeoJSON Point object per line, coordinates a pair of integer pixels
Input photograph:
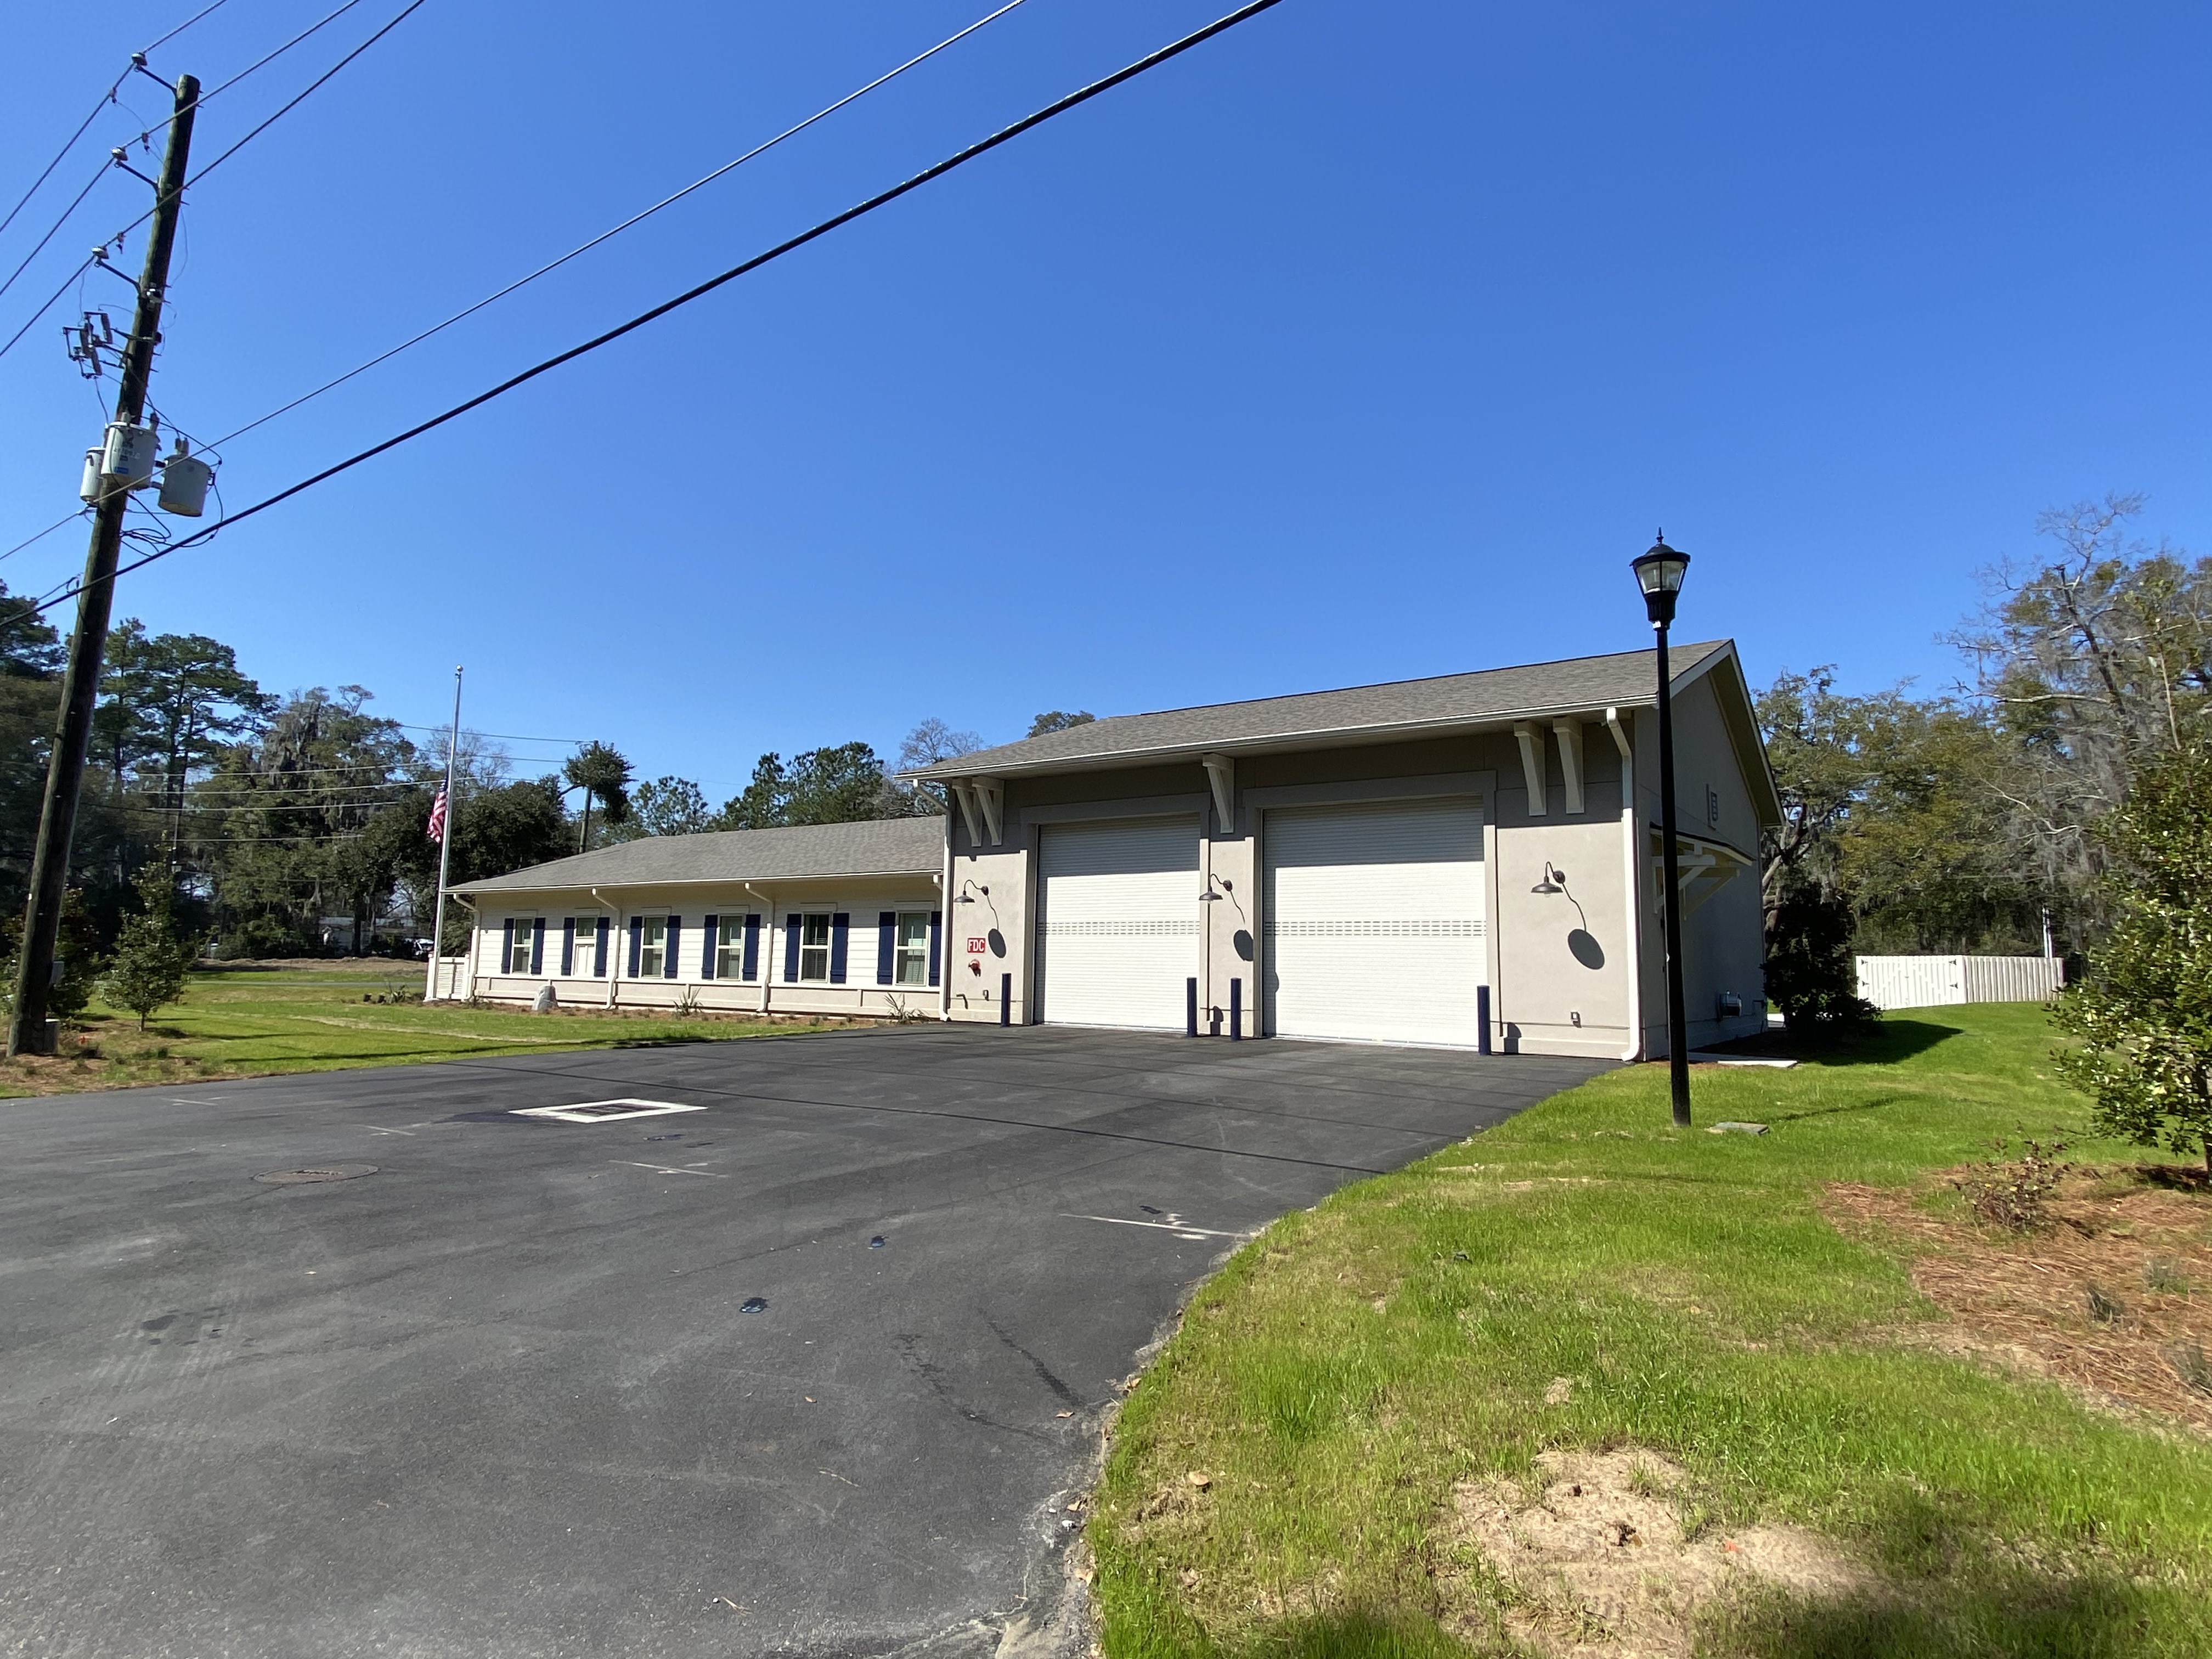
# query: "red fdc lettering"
{"type": "Point", "coordinates": [976, 946]}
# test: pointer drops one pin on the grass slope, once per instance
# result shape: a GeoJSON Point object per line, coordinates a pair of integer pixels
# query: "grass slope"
{"type": "Point", "coordinates": [249, 1023]}
{"type": "Point", "coordinates": [1347, 1368]}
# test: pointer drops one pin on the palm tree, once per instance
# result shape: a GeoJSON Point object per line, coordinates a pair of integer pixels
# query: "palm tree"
{"type": "Point", "coordinates": [604, 776]}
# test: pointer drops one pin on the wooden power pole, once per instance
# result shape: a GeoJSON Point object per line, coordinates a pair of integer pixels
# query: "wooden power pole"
{"type": "Point", "coordinates": [87, 647]}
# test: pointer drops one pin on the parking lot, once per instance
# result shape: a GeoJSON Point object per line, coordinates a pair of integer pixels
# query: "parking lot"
{"type": "Point", "coordinates": [812, 1368]}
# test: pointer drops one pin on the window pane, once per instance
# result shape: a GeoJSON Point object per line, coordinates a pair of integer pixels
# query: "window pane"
{"type": "Point", "coordinates": [914, 931]}
{"type": "Point", "coordinates": [587, 938]}
{"type": "Point", "coordinates": [817, 931]}
{"type": "Point", "coordinates": [814, 963]}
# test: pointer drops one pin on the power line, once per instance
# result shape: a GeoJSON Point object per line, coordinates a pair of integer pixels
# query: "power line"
{"type": "Point", "coordinates": [43, 534]}
{"type": "Point", "coordinates": [99, 251]}
{"type": "Point", "coordinates": [883, 198]}
{"type": "Point", "coordinates": [586, 247]}
{"type": "Point", "coordinates": [137, 61]}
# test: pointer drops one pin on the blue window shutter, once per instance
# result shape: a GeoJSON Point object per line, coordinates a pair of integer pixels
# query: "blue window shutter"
{"type": "Point", "coordinates": [839, 924]}
{"type": "Point", "coordinates": [936, 941]}
{"type": "Point", "coordinates": [567, 946]}
{"type": "Point", "coordinates": [505, 943]}
{"type": "Point", "coordinates": [886, 928]}
{"type": "Point", "coordinates": [668, 963]}
{"type": "Point", "coordinates": [751, 965]}
{"type": "Point", "coordinates": [791, 950]}
{"type": "Point", "coordinates": [636, 942]}
{"type": "Point", "coordinates": [538, 946]}
{"type": "Point", "coordinates": [711, 929]}
{"type": "Point", "coordinates": [600, 955]}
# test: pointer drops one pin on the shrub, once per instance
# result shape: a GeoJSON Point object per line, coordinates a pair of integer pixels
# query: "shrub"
{"type": "Point", "coordinates": [1810, 976]}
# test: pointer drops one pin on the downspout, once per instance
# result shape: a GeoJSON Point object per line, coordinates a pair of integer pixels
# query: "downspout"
{"type": "Point", "coordinates": [1620, 741]}
{"type": "Point", "coordinates": [614, 945]}
{"type": "Point", "coordinates": [767, 940]}
{"type": "Point", "coordinates": [469, 904]}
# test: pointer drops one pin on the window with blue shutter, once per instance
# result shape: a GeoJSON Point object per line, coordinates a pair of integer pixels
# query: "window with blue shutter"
{"type": "Point", "coordinates": [936, 942]}
{"type": "Point", "coordinates": [886, 935]}
{"type": "Point", "coordinates": [791, 950]}
{"type": "Point", "coordinates": [505, 943]}
{"type": "Point", "coordinates": [537, 945]}
{"type": "Point", "coordinates": [600, 955]}
{"type": "Point", "coordinates": [752, 945]}
{"type": "Point", "coordinates": [567, 946]}
{"type": "Point", "coordinates": [841, 924]}
{"type": "Point", "coordinates": [670, 956]}
{"type": "Point", "coordinates": [636, 942]}
{"type": "Point", "coordinates": [709, 929]}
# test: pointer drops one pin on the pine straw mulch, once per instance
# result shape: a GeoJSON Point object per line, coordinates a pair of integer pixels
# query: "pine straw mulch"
{"type": "Point", "coordinates": [2111, 1297]}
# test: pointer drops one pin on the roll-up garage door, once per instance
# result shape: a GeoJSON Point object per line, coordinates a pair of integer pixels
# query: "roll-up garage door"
{"type": "Point", "coordinates": [1117, 928]}
{"type": "Point", "coordinates": [1374, 921]}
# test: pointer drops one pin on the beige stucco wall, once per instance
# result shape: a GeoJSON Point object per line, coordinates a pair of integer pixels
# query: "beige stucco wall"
{"type": "Point", "coordinates": [1724, 941]}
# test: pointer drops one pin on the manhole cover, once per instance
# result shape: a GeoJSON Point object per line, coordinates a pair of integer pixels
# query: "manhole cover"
{"type": "Point", "coordinates": [309, 1177]}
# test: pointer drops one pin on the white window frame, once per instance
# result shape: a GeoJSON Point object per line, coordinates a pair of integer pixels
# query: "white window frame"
{"type": "Point", "coordinates": [811, 954]}
{"type": "Point", "coordinates": [587, 938]}
{"type": "Point", "coordinates": [913, 954]}
{"type": "Point", "coordinates": [730, 948]}
{"type": "Point", "coordinates": [653, 947]}
{"type": "Point", "coordinates": [518, 952]}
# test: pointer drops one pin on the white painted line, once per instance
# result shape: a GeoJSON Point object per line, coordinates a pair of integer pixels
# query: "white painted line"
{"type": "Point", "coordinates": [1175, 1227]}
{"type": "Point", "coordinates": [604, 1111]}
{"type": "Point", "coordinates": [375, 1130]}
{"type": "Point", "coordinates": [666, 1169]}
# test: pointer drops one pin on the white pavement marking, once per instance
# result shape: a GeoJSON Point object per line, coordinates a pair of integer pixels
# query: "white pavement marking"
{"type": "Point", "coordinates": [375, 1130]}
{"type": "Point", "coordinates": [666, 1169]}
{"type": "Point", "coordinates": [1175, 1227]}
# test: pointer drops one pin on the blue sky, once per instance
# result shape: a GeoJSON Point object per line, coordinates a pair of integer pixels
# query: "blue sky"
{"type": "Point", "coordinates": [1366, 341]}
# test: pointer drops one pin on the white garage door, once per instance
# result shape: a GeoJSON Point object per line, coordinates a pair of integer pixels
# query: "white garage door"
{"type": "Point", "coordinates": [1374, 921]}
{"type": "Point", "coordinates": [1117, 928]}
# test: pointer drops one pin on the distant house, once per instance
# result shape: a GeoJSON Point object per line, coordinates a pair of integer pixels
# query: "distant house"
{"type": "Point", "coordinates": [1469, 861]}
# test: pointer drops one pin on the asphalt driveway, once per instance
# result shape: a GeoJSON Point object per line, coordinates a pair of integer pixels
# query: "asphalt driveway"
{"type": "Point", "coordinates": [504, 1396]}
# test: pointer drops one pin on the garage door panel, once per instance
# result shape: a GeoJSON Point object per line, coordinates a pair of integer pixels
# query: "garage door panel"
{"type": "Point", "coordinates": [1375, 923]}
{"type": "Point", "coordinates": [1117, 929]}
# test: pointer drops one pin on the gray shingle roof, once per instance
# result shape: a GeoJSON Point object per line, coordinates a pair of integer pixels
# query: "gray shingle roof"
{"type": "Point", "coordinates": [880, 846]}
{"type": "Point", "coordinates": [1403, 707]}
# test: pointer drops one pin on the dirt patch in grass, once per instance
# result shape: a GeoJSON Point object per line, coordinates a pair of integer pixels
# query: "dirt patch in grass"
{"type": "Point", "coordinates": [2113, 1297]}
{"type": "Point", "coordinates": [1590, 1560]}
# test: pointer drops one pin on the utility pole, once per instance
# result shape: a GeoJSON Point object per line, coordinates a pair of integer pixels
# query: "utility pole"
{"type": "Point", "coordinates": [446, 845]}
{"type": "Point", "coordinates": [27, 1026]}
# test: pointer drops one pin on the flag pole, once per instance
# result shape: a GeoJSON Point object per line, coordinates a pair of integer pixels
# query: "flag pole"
{"type": "Point", "coordinates": [444, 843]}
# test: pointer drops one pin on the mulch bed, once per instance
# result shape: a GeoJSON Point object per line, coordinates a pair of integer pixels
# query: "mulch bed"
{"type": "Point", "coordinates": [2111, 1297]}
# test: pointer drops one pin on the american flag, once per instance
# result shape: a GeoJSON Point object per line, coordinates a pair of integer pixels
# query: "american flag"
{"type": "Point", "coordinates": [437, 818]}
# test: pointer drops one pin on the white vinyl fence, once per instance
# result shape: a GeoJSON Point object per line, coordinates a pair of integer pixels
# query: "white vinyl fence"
{"type": "Point", "coordinates": [1935, 981]}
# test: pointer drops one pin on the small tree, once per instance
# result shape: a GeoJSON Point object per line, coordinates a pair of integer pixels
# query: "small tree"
{"type": "Point", "coordinates": [1810, 976]}
{"type": "Point", "coordinates": [2143, 1014]}
{"type": "Point", "coordinates": [150, 962]}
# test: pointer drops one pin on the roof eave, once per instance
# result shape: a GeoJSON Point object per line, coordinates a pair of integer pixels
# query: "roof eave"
{"type": "Point", "coordinates": [487, 886]}
{"type": "Point", "coordinates": [1322, 738]}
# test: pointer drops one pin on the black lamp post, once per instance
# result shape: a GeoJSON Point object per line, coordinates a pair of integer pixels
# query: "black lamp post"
{"type": "Point", "coordinates": [1659, 572]}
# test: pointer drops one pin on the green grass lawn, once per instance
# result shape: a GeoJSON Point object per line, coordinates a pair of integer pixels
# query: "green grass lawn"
{"type": "Point", "coordinates": [1346, 1369]}
{"type": "Point", "coordinates": [249, 1022]}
